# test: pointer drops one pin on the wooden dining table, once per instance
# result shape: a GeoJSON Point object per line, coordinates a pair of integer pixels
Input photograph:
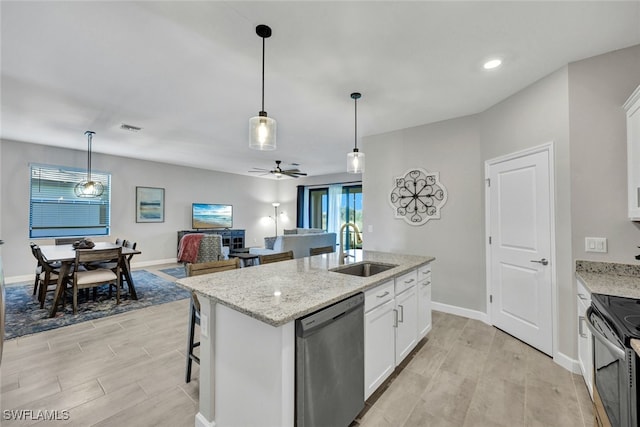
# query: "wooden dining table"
{"type": "Point", "coordinates": [66, 255]}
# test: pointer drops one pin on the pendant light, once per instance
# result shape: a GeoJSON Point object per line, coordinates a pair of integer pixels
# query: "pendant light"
{"type": "Point", "coordinates": [262, 129]}
{"type": "Point", "coordinates": [89, 188]}
{"type": "Point", "coordinates": [355, 159]}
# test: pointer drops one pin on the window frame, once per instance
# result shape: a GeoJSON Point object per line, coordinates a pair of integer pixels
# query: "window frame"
{"type": "Point", "coordinates": [54, 210]}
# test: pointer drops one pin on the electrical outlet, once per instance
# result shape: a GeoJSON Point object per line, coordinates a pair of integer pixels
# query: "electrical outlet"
{"type": "Point", "coordinates": [595, 244]}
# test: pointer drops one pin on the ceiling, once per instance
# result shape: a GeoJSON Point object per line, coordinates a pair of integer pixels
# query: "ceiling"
{"type": "Point", "coordinates": [189, 73]}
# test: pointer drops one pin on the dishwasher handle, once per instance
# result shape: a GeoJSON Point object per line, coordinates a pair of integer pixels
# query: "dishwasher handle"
{"type": "Point", "coordinates": [307, 325]}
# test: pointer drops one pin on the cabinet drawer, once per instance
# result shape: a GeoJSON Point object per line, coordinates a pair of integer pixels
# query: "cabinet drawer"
{"type": "Point", "coordinates": [583, 293]}
{"type": "Point", "coordinates": [405, 281]}
{"type": "Point", "coordinates": [378, 295]}
{"type": "Point", "coordinates": [424, 273]}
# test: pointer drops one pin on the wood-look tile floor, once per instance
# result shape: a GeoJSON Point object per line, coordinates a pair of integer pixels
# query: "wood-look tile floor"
{"type": "Point", "coordinates": [128, 370]}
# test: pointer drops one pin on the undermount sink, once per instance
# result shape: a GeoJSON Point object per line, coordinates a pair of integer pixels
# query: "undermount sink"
{"type": "Point", "coordinates": [363, 269]}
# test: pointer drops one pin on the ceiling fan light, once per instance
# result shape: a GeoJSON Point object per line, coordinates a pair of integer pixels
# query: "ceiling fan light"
{"type": "Point", "coordinates": [355, 162]}
{"type": "Point", "coordinates": [262, 132]}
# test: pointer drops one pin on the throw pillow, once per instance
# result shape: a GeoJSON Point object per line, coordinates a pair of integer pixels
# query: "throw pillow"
{"type": "Point", "coordinates": [269, 242]}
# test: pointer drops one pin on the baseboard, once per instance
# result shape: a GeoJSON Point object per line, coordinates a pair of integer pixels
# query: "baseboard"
{"type": "Point", "coordinates": [153, 262]}
{"type": "Point", "coordinates": [201, 421]}
{"type": "Point", "coordinates": [567, 363]}
{"type": "Point", "coordinates": [460, 311]}
{"type": "Point", "coordinates": [19, 279]}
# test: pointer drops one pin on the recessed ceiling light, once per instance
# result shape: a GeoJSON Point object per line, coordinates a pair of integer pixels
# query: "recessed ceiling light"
{"type": "Point", "coordinates": [492, 64]}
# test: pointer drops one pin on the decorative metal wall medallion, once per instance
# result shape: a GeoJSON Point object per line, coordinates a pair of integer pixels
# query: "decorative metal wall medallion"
{"type": "Point", "coordinates": [418, 196]}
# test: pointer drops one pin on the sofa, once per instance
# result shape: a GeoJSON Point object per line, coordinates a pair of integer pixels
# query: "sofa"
{"type": "Point", "coordinates": [298, 242]}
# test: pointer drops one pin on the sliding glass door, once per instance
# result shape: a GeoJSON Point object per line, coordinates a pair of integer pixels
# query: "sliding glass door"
{"type": "Point", "coordinates": [351, 212]}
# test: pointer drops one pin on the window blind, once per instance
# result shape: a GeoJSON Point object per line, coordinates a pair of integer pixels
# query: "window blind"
{"type": "Point", "coordinates": [55, 211]}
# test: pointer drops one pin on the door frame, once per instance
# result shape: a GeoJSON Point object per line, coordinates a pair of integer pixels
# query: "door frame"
{"type": "Point", "coordinates": [549, 148]}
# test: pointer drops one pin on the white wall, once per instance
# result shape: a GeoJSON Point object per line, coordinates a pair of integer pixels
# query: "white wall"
{"type": "Point", "coordinates": [251, 199]}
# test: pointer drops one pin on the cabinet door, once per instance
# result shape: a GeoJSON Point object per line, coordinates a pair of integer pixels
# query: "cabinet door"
{"type": "Point", "coordinates": [407, 324]}
{"type": "Point", "coordinates": [379, 346]}
{"type": "Point", "coordinates": [632, 107]}
{"type": "Point", "coordinates": [424, 307]}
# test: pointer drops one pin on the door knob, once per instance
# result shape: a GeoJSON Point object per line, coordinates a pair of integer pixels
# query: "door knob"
{"type": "Point", "coordinates": [543, 261]}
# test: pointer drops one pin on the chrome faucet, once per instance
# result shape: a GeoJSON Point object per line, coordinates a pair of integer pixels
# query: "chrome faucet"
{"type": "Point", "coordinates": [343, 254]}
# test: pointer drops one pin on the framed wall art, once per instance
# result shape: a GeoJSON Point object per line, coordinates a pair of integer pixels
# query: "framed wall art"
{"type": "Point", "coordinates": [149, 204]}
{"type": "Point", "coordinates": [417, 196]}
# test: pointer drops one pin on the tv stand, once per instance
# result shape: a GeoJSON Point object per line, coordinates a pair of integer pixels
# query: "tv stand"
{"type": "Point", "coordinates": [233, 238]}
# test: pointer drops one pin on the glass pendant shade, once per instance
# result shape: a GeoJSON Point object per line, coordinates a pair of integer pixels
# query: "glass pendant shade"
{"type": "Point", "coordinates": [355, 159]}
{"type": "Point", "coordinates": [89, 188]}
{"type": "Point", "coordinates": [355, 162]}
{"type": "Point", "coordinates": [262, 132]}
{"type": "Point", "coordinates": [262, 129]}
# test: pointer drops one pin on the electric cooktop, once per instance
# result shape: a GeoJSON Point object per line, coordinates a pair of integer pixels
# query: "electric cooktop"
{"type": "Point", "coordinates": [623, 314]}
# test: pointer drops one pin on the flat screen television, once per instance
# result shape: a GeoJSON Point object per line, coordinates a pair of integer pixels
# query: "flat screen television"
{"type": "Point", "coordinates": [211, 215]}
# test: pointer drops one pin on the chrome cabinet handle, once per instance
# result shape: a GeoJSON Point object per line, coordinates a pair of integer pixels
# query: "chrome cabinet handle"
{"type": "Point", "coordinates": [401, 314]}
{"type": "Point", "coordinates": [543, 261]}
{"type": "Point", "coordinates": [383, 295]}
{"type": "Point", "coordinates": [582, 297]}
{"type": "Point", "coordinates": [580, 331]}
{"type": "Point", "coordinates": [408, 281]}
{"type": "Point", "coordinates": [427, 283]}
{"type": "Point", "coordinates": [395, 318]}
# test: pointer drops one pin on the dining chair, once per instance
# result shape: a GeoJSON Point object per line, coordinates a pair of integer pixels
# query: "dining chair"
{"type": "Point", "coordinates": [47, 279]}
{"type": "Point", "coordinates": [282, 256]}
{"type": "Point", "coordinates": [100, 276]}
{"type": "Point", "coordinates": [198, 269]}
{"type": "Point", "coordinates": [321, 250]}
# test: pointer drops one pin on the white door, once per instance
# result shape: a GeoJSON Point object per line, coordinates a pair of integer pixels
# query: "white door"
{"type": "Point", "coordinates": [520, 275]}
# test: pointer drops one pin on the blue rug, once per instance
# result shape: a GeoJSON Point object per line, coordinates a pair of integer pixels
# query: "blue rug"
{"type": "Point", "coordinates": [24, 315]}
{"type": "Point", "coordinates": [177, 272]}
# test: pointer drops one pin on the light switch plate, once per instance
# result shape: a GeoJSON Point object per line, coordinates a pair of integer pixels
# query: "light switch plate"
{"type": "Point", "coordinates": [595, 244]}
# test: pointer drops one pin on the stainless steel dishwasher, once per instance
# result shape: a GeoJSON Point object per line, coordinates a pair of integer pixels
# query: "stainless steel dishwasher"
{"type": "Point", "coordinates": [330, 365]}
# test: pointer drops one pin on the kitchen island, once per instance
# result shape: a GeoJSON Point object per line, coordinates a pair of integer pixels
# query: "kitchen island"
{"type": "Point", "coordinates": [247, 335]}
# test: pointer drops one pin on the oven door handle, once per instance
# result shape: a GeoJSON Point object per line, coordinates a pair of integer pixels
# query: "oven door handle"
{"type": "Point", "coordinates": [620, 353]}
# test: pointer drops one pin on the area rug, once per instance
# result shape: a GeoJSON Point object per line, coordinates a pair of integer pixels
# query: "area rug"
{"type": "Point", "coordinates": [24, 315]}
{"type": "Point", "coordinates": [177, 272]}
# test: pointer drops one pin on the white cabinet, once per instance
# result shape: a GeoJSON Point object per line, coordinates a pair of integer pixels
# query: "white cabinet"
{"type": "Point", "coordinates": [632, 107]}
{"type": "Point", "coordinates": [424, 300]}
{"type": "Point", "coordinates": [585, 343]}
{"type": "Point", "coordinates": [391, 326]}
{"type": "Point", "coordinates": [407, 322]}
{"type": "Point", "coordinates": [379, 340]}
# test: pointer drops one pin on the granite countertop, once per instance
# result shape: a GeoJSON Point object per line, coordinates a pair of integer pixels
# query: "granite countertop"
{"type": "Point", "coordinates": [610, 278]}
{"type": "Point", "coordinates": [280, 292]}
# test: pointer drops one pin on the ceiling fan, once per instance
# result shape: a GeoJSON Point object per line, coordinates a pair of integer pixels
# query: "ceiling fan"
{"type": "Point", "coordinates": [278, 172]}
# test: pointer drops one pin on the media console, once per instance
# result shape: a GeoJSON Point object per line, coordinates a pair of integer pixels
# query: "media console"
{"type": "Point", "coordinates": [233, 238]}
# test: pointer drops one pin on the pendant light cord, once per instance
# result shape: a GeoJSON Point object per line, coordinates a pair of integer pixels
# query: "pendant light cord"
{"type": "Point", "coordinates": [263, 44]}
{"type": "Point", "coordinates": [89, 137]}
{"type": "Point", "coordinates": [355, 100]}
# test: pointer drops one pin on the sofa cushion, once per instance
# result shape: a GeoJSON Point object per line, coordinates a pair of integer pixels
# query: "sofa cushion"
{"type": "Point", "coordinates": [310, 230]}
{"type": "Point", "coordinates": [291, 231]}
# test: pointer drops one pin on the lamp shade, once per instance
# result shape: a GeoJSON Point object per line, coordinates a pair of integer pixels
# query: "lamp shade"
{"type": "Point", "coordinates": [355, 161]}
{"type": "Point", "coordinates": [89, 189]}
{"type": "Point", "coordinates": [262, 132]}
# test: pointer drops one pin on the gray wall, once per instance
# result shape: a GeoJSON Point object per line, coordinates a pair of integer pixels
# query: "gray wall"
{"type": "Point", "coordinates": [598, 87]}
{"type": "Point", "coordinates": [456, 239]}
{"type": "Point", "coordinates": [251, 199]}
{"type": "Point", "coordinates": [579, 109]}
